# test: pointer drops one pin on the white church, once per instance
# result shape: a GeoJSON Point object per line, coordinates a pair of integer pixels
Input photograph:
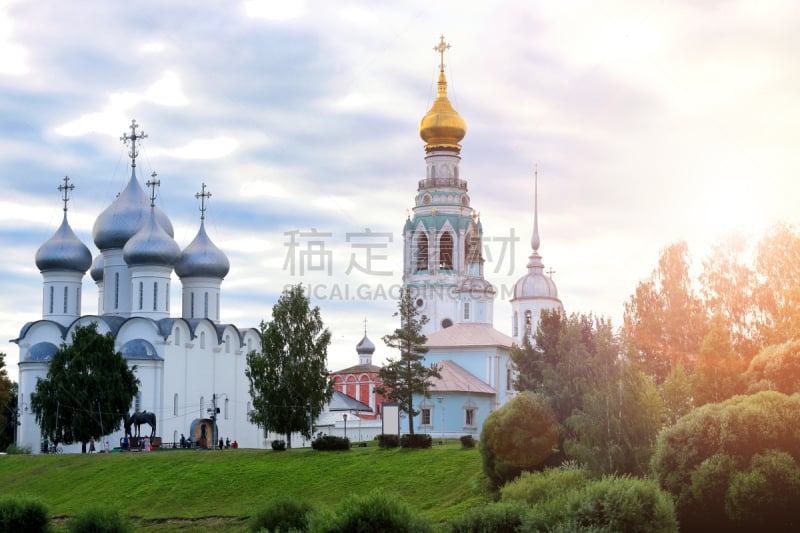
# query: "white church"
{"type": "Point", "coordinates": [184, 364]}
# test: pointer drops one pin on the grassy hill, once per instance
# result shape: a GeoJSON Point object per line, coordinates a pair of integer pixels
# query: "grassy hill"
{"type": "Point", "coordinates": [188, 490]}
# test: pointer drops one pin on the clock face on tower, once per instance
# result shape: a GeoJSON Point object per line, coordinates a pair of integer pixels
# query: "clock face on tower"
{"type": "Point", "coordinates": [426, 199]}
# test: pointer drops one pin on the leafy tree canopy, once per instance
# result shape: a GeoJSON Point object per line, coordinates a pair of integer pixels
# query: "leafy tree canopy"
{"type": "Point", "coordinates": [8, 405]}
{"type": "Point", "coordinates": [408, 375]}
{"type": "Point", "coordinates": [289, 376]}
{"type": "Point", "coordinates": [88, 390]}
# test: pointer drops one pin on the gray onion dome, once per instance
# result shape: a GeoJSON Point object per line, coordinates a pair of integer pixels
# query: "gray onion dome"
{"type": "Point", "coordinates": [202, 259]}
{"type": "Point", "coordinates": [64, 251]}
{"type": "Point", "coordinates": [125, 217]}
{"type": "Point", "coordinates": [535, 284]}
{"type": "Point", "coordinates": [365, 347]}
{"type": "Point", "coordinates": [97, 268]}
{"type": "Point", "coordinates": [151, 245]}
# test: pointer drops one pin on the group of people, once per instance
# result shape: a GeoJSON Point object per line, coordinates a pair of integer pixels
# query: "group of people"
{"type": "Point", "coordinates": [92, 448]}
{"type": "Point", "coordinates": [144, 444]}
{"type": "Point", "coordinates": [187, 443]}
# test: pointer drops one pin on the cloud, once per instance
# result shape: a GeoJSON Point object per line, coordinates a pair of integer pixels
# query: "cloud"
{"type": "Point", "coordinates": [276, 10]}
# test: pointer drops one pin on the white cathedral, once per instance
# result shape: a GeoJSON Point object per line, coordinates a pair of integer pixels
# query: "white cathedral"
{"type": "Point", "coordinates": [185, 364]}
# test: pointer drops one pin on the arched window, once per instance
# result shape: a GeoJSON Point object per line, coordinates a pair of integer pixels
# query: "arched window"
{"type": "Point", "coordinates": [446, 252]}
{"type": "Point", "coordinates": [422, 252]}
{"type": "Point", "coordinates": [202, 340]}
{"type": "Point", "coordinates": [227, 344]}
{"type": "Point", "coordinates": [116, 290]}
{"type": "Point", "coordinates": [515, 324]}
{"type": "Point", "coordinates": [191, 305]}
{"type": "Point", "coordinates": [177, 336]}
{"type": "Point", "coordinates": [155, 296]}
{"type": "Point", "coordinates": [205, 305]}
{"type": "Point", "coordinates": [141, 295]}
{"type": "Point", "coordinates": [52, 297]}
{"type": "Point", "coordinates": [466, 310]}
{"type": "Point", "coordinates": [66, 297]}
{"type": "Point", "coordinates": [78, 302]}
{"type": "Point", "coordinates": [528, 322]}
{"type": "Point", "coordinates": [167, 297]}
{"type": "Point", "coordinates": [175, 404]}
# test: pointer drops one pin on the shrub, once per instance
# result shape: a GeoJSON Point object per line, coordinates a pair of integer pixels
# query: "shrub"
{"type": "Point", "coordinates": [388, 441]}
{"type": "Point", "coordinates": [518, 436]}
{"type": "Point", "coordinates": [467, 441]}
{"type": "Point", "coordinates": [279, 445]}
{"type": "Point", "coordinates": [23, 514]}
{"type": "Point", "coordinates": [610, 504]}
{"type": "Point", "coordinates": [491, 518]}
{"type": "Point", "coordinates": [13, 449]}
{"type": "Point", "coordinates": [537, 487]}
{"type": "Point", "coordinates": [416, 441]}
{"type": "Point", "coordinates": [94, 520]}
{"type": "Point", "coordinates": [282, 515]}
{"type": "Point", "coordinates": [330, 443]}
{"type": "Point", "coordinates": [700, 457]}
{"type": "Point", "coordinates": [369, 513]}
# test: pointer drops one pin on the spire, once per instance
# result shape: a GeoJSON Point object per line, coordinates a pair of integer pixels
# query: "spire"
{"type": "Point", "coordinates": [133, 137]}
{"type": "Point", "coordinates": [66, 190]}
{"type": "Point", "coordinates": [535, 237]}
{"type": "Point", "coordinates": [441, 47]}
{"type": "Point", "coordinates": [202, 197]}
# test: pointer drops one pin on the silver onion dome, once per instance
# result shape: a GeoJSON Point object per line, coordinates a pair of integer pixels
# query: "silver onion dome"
{"type": "Point", "coordinates": [125, 217]}
{"type": "Point", "coordinates": [365, 347]}
{"type": "Point", "coordinates": [97, 268]}
{"type": "Point", "coordinates": [202, 259]}
{"type": "Point", "coordinates": [151, 245]}
{"type": "Point", "coordinates": [64, 251]}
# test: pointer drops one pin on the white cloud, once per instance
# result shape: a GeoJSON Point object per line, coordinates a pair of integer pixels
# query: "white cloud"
{"type": "Point", "coordinates": [153, 47]}
{"type": "Point", "coordinates": [200, 149]}
{"type": "Point", "coordinates": [262, 188]}
{"type": "Point", "coordinates": [275, 9]}
{"type": "Point", "coordinates": [13, 56]}
{"type": "Point", "coordinates": [167, 91]}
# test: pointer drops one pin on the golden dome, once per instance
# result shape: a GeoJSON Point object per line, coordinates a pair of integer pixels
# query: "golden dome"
{"type": "Point", "coordinates": [442, 126]}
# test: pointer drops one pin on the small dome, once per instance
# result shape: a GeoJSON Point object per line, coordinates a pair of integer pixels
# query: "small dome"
{"type": "Point", "coordinates": [151, 246]}
{"type": "Point", "coordinates": [97, 268]}
{"type": "Point", "coordinates": [442, 126]}
{"type": "Point", "coordinates": [64, 251]}
{"type": "Point", "coordinates": [365, 347]}
{"type": "Point", "coordinates": [202, 259]}
{"type": "Point", "coordinates": [535, 284]}
{"type": "Point", "coordinates": [125, 217]}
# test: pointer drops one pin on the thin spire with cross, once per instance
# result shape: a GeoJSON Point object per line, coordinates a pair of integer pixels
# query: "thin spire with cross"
{"type": "Point", "coordinates": [65, 190]}
{"type": "Point", "coordinates": [365, 326]}
{"type": "Point", "coordinates": [202, 196]}
{"type": "Point", "coordinates": [441, 48]}
{"type": "Point", "coordinates": [153, 183]}
{"type": "Point", "coordinates": [535, 242]}
{"type": "Point", "coordinates": [550, 272]}
{"type": "Point", "coordinates": [133, 137]}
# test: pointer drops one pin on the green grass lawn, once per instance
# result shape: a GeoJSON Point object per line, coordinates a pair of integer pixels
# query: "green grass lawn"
{"type": "Point", "coordinates": [189, 490]}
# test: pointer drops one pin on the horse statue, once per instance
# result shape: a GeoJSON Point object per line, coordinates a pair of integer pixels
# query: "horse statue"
{"type": "Point", "coordinates": [138, 419]}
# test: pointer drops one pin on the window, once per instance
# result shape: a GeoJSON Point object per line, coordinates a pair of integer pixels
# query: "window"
{"type": "Point", "coordinates": [469, 417]}
{"type": "Point", "coordinates": [425, 416]}
{"type": "Point", "coordinates": [177, 336]}
{"type": "Point", "coordinates": [528, 324]}
{"type": "Point", "coordinates": [141, 295]}
{"type": "Point", "coordinates": [446, 252]}
{"type": "Point", "coordinates": [422, 252]}
{"type": "Point", "coordinates": [509, 379]}
{"type": "Point", "coordinates": [175, 405]}
{"type": "Point", "coordinates": [155, 296]}
{"type": "Point", "coordinates": [515, 324]}
{"type": "Point", "coordinates": [205, 305]}
{"type": "Point", "coordinates": [52, 296]}
{"type": "Point", "coordinates": [202, 340]}
{"type": "Point", "coordinates": [466, 310]}
{"type": "Point", "coordinates": [191, 306]}
{"type": "Point", "coordinates": [227, 344]}
{"type": "Point", "coordinates": [216, 310]}
{"type": "Point", "coordinates": [66, 297]}
{"type": "Point", "coordinates": [116, 290]}
{"type": "Point", "coordinates": [167, 297]}
{"type": "Point", "coordinates": [78, 302]}
{"type": "Point", "coordinates": [138, 403]}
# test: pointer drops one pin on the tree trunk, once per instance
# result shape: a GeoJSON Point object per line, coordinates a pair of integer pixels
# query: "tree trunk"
{"type": "Point", "coordinates": [288, 440]}
{"type": "Point", "coordinates": [83, 447]}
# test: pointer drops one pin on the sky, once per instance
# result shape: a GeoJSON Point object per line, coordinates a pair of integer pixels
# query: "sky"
{"type": "Point", "coordinates": [649, 123]}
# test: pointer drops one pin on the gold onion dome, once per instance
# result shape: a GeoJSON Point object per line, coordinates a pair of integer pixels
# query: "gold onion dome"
{"type": "Point", "coordinates": [442, 126]}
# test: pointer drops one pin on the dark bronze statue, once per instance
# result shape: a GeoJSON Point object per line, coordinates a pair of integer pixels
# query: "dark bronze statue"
{"type": "Point", "coordinates": [138, 419]}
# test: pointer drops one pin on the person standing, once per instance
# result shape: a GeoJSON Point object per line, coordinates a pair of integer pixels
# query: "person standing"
{"type": "Point", "coordinates": [91, 445]}
{"type": "Point", "coordinates": [106, 447]}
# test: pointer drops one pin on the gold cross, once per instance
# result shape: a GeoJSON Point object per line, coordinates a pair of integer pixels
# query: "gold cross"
{"type": "Point", "coordinates": [441, 47]}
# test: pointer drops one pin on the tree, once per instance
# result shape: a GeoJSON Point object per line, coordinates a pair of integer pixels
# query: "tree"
{"type": "Point", "coordinates": [717, 371]}
{"type": "Point", "coordinates": [289, 376]}
{"type": "Point", "coordinates": [8, 406]}
{"type": "Point", "coordinates": [88, 390]}
{"type": "Point", "coordinates": [408, 375]}
{"type": "Point", "coordinates": [519, 436]}
{"type": "Point", "coordinates": [775, 368]}
{"type": "Point", "coordinates": [665, 319]}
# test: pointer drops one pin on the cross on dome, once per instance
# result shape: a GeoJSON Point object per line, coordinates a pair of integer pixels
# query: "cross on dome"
{"type": "Point", "coordinates": [202, 197]}
{"type": "Point", "coordinates": [153, 183]}
{"type": "Point", "coordinates": [65, 190]}
{"type": "Point", "coordinates": [441, 47]}
{"type": "Point", "coordinates": [550, 272]}
{"type": "Point", "coordinates": [133, 137]}
{"type": "Point", "coordinates": [365, 326]}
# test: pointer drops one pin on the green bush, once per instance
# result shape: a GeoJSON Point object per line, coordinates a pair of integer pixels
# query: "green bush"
{"type": "Point", "coordinates": [371, 513]}
{"type": "Point", "coordinates": [330, 443]}
{"type": "Point", "coordinates": [388, 440]}
{"type": "Point", "coordinates": [610, 504]}
{"type": "Point", "coordinates": [279, 445]}
{"type": "Point", "coordinates": [94, 520]}
{"type": "Point", "coordinates": [416, 441]}
{"type": "Point", "coordinates": [281, 516]}
{"type": "Point", "coordinates": [467, 441]}
{"type": "Point", "coordinates": [492, 518]}
{"type": "Point", "coordinates": [537, 487]}
{"type": "Point", "coordinates": [700, 457]}
{"type": "Point", "coordinates": [13, 449]}
{"type": "Point", "coordinates": [22, 514]}
{"type": "Point", "coordinates": [518, 436]}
